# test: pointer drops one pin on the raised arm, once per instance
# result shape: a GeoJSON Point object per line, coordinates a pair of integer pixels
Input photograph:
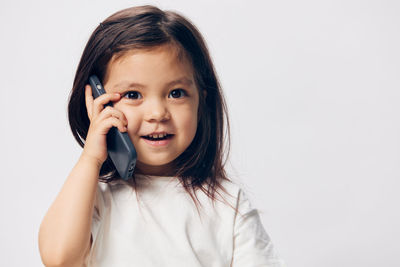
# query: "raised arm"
{"type": "Point", "coordinates": [64, 235]}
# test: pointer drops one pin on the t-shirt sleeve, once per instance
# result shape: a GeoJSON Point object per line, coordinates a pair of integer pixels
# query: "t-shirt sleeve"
{"type": "Point", "coordinates": [252, 245]}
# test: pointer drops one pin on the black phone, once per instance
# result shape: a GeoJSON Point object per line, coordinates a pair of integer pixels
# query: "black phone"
{"type": "Point", "coordinates": [119, 146]}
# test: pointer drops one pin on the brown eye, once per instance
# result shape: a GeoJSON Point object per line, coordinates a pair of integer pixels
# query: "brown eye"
{"type": "Point", "coordinates": [133, 95]}
{"type": "Point", "coordinates": [177, 93]}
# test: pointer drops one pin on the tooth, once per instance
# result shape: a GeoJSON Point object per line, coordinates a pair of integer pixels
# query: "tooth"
{"type": "Point", "coordinates": [150, 135]}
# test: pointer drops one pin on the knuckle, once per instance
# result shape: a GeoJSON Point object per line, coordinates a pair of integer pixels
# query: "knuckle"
{"type": "Point", "coordinates": [101, 99]}
{"type": "Point", "coordinates": [108, 108]}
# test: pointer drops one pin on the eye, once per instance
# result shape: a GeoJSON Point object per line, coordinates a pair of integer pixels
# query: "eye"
{"type": "Point", "coordinates": [177, 93]}
{"type": "Point", "coordinates": [133, 95]}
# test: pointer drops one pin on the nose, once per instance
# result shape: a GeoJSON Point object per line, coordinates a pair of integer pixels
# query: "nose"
{"type": "Point", "coordinates": [157, 111]}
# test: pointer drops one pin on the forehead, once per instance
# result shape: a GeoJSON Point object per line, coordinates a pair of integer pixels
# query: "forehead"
{"type": "Point", "coordinates": [150, 63]}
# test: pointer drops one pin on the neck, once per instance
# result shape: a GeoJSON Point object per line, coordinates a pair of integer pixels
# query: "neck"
{"type": "Point", "coordinates": [160, 170]}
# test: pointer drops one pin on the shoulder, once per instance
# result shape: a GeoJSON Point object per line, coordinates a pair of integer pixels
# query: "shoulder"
{"type": "Point", "coordinates": [105, 188]}
{"type": "Point", "coordinates": [106, 192]}
{"type": "Point", "coordinates": [234, 193]}
{"type": "Point", "coordinates": [235, 189]}
{"type": "Point", "coordinates": [229, 186]}
{"type": "Point", "coordinates": [239, 196]}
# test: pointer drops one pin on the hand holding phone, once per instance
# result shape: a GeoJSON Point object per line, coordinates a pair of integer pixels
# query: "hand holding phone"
{"type": "Point", "coordinates": [119, 146]}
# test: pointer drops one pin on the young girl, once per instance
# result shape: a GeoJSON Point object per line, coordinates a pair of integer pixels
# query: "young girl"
{"type": "Point", "coordinates": [179, 208]}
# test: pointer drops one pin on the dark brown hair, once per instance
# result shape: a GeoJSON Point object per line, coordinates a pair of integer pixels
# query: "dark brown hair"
{"type": "Point", "coordinates": [201, 165]}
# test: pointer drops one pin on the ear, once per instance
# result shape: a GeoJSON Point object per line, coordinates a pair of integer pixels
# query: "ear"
{"type": "Point", "coordinates": [205, 93]}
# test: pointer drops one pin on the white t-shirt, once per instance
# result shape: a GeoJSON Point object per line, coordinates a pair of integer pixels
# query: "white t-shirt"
{"type": "Point", "coordinates": [166, 229]}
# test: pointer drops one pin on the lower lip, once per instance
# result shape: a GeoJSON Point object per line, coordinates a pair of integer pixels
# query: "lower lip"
{"type": "Point", "coordinates": [158, 143]}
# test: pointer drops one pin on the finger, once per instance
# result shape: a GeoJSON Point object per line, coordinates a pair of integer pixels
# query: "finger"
{"type": "Point", "coordinates": [89, 100]}
{"type": "Point", "coordinates": [99, 102]}
{"type": "Point", "coordinates": [113, 112]}
{"type": "Point", "coordinates": [115, 122]}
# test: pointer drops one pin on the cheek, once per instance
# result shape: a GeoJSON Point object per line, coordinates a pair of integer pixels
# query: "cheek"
{"type": "Point", "coordinates": [133, 123]}
{"type": "Point", "coordinates": [188, 121]}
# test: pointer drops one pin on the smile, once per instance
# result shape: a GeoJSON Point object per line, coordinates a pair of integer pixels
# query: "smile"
{"type": "Point", "coordinates": [158, 140]}
{"type": "Point", "coordinates": [157, 137]}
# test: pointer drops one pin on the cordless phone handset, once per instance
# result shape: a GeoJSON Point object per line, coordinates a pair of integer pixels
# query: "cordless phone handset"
{"type": "Point", "coordinates": [119, 146]}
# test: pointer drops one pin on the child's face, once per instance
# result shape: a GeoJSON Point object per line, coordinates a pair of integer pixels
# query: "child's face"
{"type": "Point", "coordinates": [155, 105]}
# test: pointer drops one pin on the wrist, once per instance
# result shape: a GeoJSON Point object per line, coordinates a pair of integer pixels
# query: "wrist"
{"type": "Point", "coordinates": [88, 159]}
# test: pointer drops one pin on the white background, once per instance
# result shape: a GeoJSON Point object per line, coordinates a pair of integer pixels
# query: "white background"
{"type": "Point", "coordinates": [313, 90]}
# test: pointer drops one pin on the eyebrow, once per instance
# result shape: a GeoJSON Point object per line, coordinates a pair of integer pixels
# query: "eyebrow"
{"type": "Point", "coordinates": [183, 80]}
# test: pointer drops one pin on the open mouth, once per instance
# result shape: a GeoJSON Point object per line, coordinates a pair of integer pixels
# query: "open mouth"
{"type": "Point", "coordinates": [157, 137]}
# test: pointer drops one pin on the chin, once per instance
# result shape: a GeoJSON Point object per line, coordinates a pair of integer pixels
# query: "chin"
{"type": "Point", "coordinates": [155, 162]}
{"type": "Point", "coordinates": [158, 168]}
